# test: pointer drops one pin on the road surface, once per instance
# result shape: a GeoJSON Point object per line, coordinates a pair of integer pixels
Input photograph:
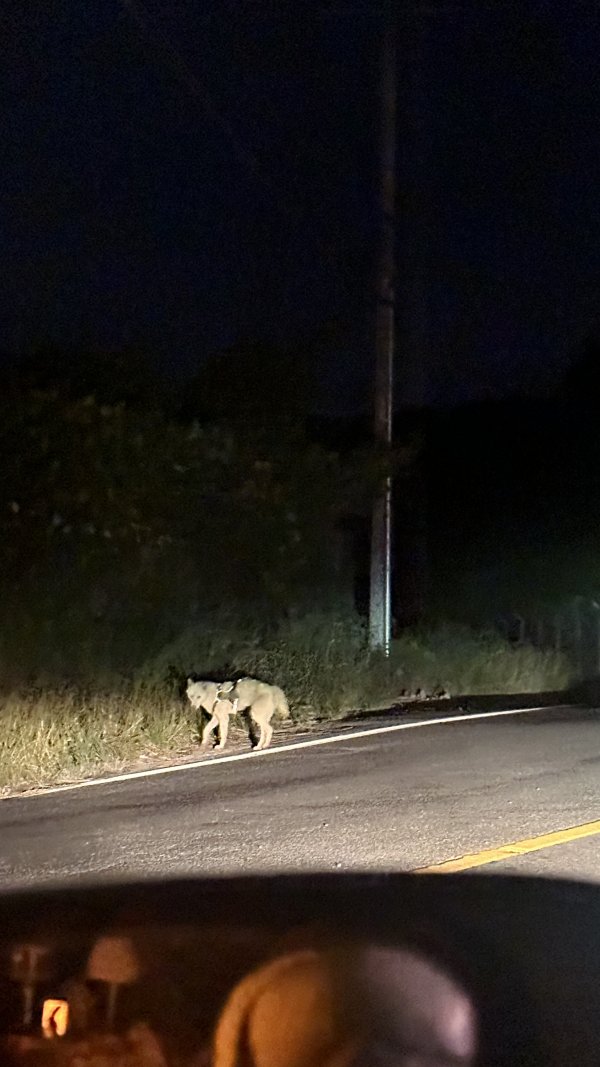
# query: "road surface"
{"type": "Point", "coordinates": [400, 799]}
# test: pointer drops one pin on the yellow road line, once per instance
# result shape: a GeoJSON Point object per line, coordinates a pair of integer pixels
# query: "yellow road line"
{"type": "Point", "coordinates": [517, 848]}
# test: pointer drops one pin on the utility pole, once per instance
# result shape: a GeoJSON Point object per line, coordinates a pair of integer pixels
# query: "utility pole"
{"type": "Point", "coordinates": [380, 599]}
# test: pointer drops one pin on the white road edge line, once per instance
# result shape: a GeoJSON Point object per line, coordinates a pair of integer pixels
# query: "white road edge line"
{"type": "Point", "coordinates": [352, 735]}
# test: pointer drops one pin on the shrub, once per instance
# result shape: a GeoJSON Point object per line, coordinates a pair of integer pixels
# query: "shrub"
{"type": "Point", "coordinates": [465, 662]}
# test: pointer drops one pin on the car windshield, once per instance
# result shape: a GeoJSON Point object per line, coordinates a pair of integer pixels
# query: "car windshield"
{"type": "Point", "coordinates": [299, 439]}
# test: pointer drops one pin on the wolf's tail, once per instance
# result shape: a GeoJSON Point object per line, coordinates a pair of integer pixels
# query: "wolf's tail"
{"type": "Point", "coordinates": [282, 707]}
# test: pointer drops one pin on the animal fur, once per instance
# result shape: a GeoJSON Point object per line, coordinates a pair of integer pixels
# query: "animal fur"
{"type": "Point", "coordinates": [261, 700]}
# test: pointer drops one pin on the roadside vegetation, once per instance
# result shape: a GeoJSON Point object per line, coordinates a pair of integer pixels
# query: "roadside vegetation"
{"type": "Point", "coordinates": [52, 735]}
{"type": "Point", "coordinates": [144, 538]}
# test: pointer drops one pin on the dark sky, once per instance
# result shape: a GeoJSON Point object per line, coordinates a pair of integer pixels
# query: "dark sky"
{"type": "Point", "coordinates": [178, 175]}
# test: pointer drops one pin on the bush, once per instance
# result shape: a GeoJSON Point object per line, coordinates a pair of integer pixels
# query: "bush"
{"type": "Point", "coordinates": [322, 662]}
{"type": "Point", "coordinates": [317, 658]}
{"type": "Point", "coordinates": [465, 662]}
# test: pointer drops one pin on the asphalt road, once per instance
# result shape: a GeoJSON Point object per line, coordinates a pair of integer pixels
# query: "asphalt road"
{"type": "Point", "coordinates": [390, 800]}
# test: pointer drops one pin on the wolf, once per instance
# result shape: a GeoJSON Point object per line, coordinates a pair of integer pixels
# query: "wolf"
{"type": "Point", "coordinates": [220, 700]}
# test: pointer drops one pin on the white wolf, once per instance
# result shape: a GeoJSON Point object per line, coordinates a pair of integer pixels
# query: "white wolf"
{"type": "Point", "coordinates": [222, 700]}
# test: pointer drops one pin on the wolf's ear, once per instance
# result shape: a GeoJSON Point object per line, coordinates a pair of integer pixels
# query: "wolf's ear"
{"type": "Point", "coordinates": [190, 681]}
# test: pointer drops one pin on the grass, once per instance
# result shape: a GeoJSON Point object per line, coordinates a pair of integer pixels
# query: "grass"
{"type": "Point", "coordinates": [466, 662]}
{"type": "Point", "coordinates": [49, 737]}
{"type": "Point", "coordinates": [61, 735]}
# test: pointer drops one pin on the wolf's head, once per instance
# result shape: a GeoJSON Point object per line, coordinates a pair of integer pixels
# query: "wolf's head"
{"type": "Point", "coordinates": [196, 692]}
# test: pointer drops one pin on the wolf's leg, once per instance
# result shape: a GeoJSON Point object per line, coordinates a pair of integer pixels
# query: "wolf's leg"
{"type": "Point", "coordinates": [255, 718]}
{"type": "Point", "coordinates": [253, 734]}
{"type": "Point", "coordinates": [267, 735]}
{"type": "Point", "coordinates": [261, 716]}
{"type": "Point", "coordinates": [212, 723]}
{"type": "Point", "coordinates": [223, 719]}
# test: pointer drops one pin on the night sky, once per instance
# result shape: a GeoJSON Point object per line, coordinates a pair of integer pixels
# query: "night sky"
{"type": "Point", "coordinates": [176, 176]}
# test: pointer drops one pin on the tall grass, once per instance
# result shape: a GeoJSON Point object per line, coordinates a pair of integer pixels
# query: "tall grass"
{"type": "Point", "coordinates": [48, 737]}
{"type": "Point", "coordinates": [321, 660]}
{"type": "Point", "coordinates": [323, 664]}
{"type": "Point", "coordinates": [467, 662]}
